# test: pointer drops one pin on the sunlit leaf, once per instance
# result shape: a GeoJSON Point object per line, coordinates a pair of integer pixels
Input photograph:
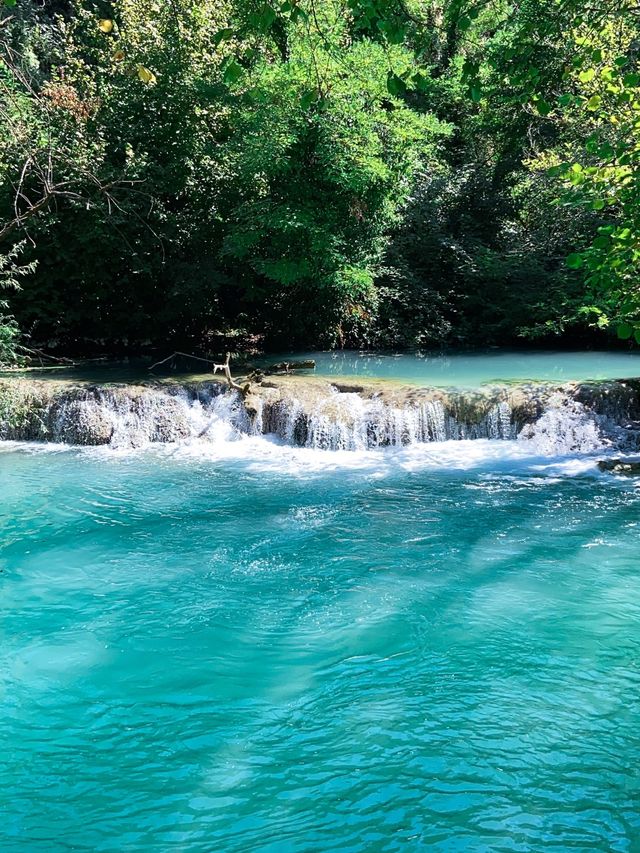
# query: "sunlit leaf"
{"type": "Point", "coordinates": [146, 75]}
{"type": "Point", "coordinates": [105, 25]}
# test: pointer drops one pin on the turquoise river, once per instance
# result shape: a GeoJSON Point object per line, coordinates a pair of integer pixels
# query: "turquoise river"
{"type": "Point", "coordinates": [237, 646]}
{"type": "Point", "coordinates": [258, 648]}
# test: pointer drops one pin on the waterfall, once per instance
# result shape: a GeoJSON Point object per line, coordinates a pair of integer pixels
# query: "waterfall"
{"type": "Point", "coordinates": [552, 420]}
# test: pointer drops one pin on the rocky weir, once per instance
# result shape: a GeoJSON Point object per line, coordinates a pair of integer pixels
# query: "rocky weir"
{"type": "Point", "coordinates": [309, 412]}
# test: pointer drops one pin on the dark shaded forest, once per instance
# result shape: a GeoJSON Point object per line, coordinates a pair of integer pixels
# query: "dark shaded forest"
{"type": "Point", "coordinates": [323, 173]}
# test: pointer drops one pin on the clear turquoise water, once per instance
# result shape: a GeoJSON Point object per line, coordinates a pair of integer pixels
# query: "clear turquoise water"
{"type": "Point", "coordinates": [277, 650]}
{"type": "Point", "coordinates": [466, 370]}
{"type": "Point", "coordinates": [475, 369]}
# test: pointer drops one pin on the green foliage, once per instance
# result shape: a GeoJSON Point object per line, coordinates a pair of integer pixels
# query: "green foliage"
{"type": "Point", "coordinates": [11, 274]}
{"type": "Point", "coordinates": [309, 171]}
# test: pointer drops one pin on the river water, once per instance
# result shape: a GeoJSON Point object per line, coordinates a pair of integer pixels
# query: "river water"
{"type": "Point", "coordinates": [242, 646]}
{"type": "Point", "coordinates": [472, 369]}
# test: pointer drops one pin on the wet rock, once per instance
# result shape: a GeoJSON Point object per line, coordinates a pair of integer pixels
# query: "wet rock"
{"type": "Point", "coordinates": [623, 467]}
{"type": "Point", "coordinates": [80, 422]}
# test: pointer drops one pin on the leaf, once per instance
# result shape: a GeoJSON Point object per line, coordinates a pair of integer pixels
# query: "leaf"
{"type": "Point", "coordinates": [543, 107]}
{"type": "Point", "coordinates": [308, 99]}
{"type": "Point", "coordinates": [601, 242]}
{"type": "Point", "coordinates": [223, 35]}
{"type": "Point", "coordinates": [636, 336]}
{"type": "Point", "coordinates": [587, 75]}
{"type": "Point", "coordinates": [631, 80]}
{"type": "Point", "coordinates": [105, 25]}
{"type": "Point", "coordinates": [299, 14]}
{"type": "Point", "coordinates": [268, 16]}
{"type": "Point", "coordinates": [594, 103]}
{"type": "Point", "coordinates": [395, 85]}
{"type": "Point", "coordinates": [575, 261]}
{"type": "Point", "coordinates": [464, 23]}
{"type": "Point", "coordinates": [476, 94]}
{"type": "Point", "coordinates": [232, 72]}
{"type": "Point", "coordinates": [10, 2]}
{"type": "Point", "coordinates": [146, 75]}
{"type": "Point", "coordinates": [118, 56]}
{"type": "Point", "coordinates": [598, 204]}
{"type": "Point", "coordinates": [624, 331]}
{"type": "Point", "coordinates": [422, 83]}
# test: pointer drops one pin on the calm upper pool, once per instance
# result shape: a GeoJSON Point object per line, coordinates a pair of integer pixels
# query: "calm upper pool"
{"type": "Point", "coordinates": [471, 370]}
{"type": "Point", "coordinates": [265, 649]}
{"type": "Point", "coordinates": [464, 370]}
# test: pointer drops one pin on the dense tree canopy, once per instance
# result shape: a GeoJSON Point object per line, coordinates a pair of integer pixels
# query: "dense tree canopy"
{"type": "Point", "coordinates": [319, 172]}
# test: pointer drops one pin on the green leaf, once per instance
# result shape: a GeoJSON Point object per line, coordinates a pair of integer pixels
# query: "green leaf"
{"type": "Point", "coordinates": [308, 99]}
{"type": "Point", "coordinates": [574, 261]}
{"type": "Point", "coordinates": [543, 107]}
{"type": "Point", "coordinates": [631, 80]}
{"type": "Point", "coordinates": [601, 242]}
{"type": "Point", "coordinates": [620, 61]}
{"type": "Point", "coordinates": [476, 94]}
{"type": "Point", "coordinates": [10, 2]}
{"type": "Point", "coordinates": [598, 204]}
{"type": "Point", "coordinates": [264, 18]}
{"type": "Point", "coordinates": [624, 331]}
{"type": "Point", "coordinates": [594, 103]}
{"type": "Point", "coordinates": [636, 336]}
{"type": "Point", "coordinates": [232, 72]}
{"type": "Point", "coordinates": [223, 35]}
{"type": "Point", "coordinates": [393, 31]}
{"type": "Point", "coordinates": [422, 83]}
{"type": "Point", "coordinates": [587, 75]}
{"type": "Point", "coordinates": [464, 23]}
{"type": "Point", "coordinates": [299, 14]}
{"type": "Point", "coordinates": [395, 85]}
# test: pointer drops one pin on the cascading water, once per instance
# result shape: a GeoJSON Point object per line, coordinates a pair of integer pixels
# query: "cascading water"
{"type": "Point", "coordinates": [324, 417]}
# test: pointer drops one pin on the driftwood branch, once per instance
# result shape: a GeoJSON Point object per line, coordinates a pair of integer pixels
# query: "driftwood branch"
{"type": "Point", "coordinates": [44, 355]}
{"type": "Point", "coordinates": [184, 355]}
{"type": "Point", "coordinates": [225, 368]}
